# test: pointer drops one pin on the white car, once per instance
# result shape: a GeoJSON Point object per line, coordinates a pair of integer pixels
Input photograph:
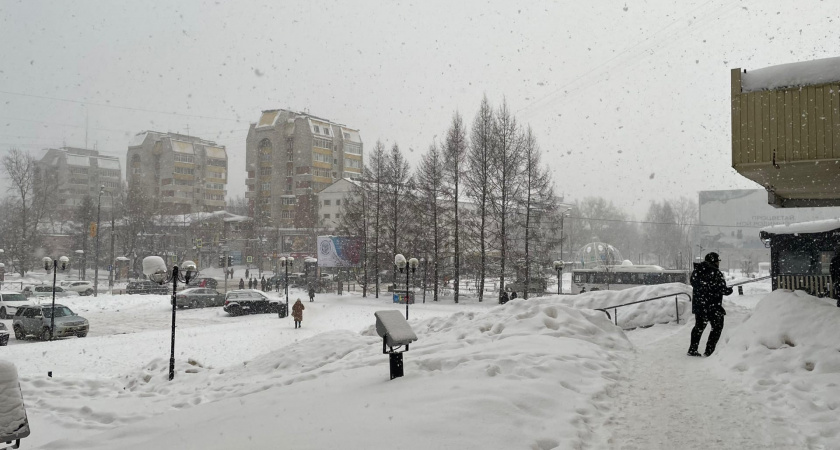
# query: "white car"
{"type": "Point", "coordinates": [45, 290]}
{"type": "Point", "coordinates": [82, 287]}
{"type": "Point", "coordinates": [10, 301]}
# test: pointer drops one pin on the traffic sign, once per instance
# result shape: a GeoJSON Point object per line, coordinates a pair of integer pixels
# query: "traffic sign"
{"type": "Point", "coordinates": [249, 259]}
{"type": "Point", "coordinates": [198, 243]}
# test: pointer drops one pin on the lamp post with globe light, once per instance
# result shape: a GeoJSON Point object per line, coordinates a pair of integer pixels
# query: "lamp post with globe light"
{"type": "Point", "coordinates": [54, 264]}
{"type": "Point", "coordinates": [558, 266]}
{"type": "Point", "coordinates": [400, 262]}
{"type": "Point", "coordinates": [155, 268]}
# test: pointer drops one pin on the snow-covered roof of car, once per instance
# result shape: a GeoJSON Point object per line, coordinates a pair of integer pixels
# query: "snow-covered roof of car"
{"type": "Point", "coordinates": [814, 226]}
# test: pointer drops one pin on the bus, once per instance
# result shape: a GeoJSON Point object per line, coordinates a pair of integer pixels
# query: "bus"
{"type": "Point", "coordinates": [620, 277]}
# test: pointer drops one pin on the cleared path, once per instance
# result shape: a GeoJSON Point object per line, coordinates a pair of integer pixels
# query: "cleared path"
{"type": "Point", "coordinates": [672, 401]}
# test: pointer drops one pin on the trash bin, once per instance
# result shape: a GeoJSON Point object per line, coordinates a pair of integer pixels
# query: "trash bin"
{"type": "Point", "coordinates": [282, 311]}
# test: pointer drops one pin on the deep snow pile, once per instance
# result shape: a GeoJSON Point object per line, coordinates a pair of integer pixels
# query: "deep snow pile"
{"type": "Point", "coordinates": [12, 413]}
{"type": "Point", "coordinates": [641, 314]}
{"type": "Point", "coordinates": [530, 374]}
{"type": "Point", "coordinates": [788, 351]}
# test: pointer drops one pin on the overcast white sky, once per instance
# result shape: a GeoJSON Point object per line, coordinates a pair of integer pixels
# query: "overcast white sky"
{"type": "Point", "coordinates": [630, 100]}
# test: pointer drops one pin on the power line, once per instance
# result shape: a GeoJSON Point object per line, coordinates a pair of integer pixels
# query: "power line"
{"type": "Point", "coordinates": [127, 108]}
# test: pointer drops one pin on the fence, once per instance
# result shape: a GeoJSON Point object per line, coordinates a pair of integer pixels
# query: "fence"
{"type": "Point", "coordinates": [816, 285]}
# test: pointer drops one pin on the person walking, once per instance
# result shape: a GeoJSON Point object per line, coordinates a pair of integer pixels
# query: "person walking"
{"type": "Point", "coordinates": [311, 293]}
{"type": "Point", "coordinates": [834, 271]}
{"type": "Point", "coordinates": [707, 305]}
{"type": "Point", "coordinates": [247, 274]}
{"type": "Point", "coordinates": [504, 298]}
{"type": "Point", "coordinates": [297, 313]}
{"type": "Point", "coordinates": [241, 283]}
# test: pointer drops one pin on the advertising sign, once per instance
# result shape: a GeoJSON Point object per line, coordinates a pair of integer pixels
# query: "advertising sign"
{"type": "Point", "coordinates": [339, 251]}
{"type": "Point", "coordinates": [403, 298]}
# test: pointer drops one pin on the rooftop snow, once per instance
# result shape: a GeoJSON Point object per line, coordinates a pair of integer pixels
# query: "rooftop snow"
{"type": "Point", "coordinates": [78, 160]}
{"type": "Point", "coordinates": [806, 73]}
{"type": "Point", "coordinates": [138, 139]}
{"type": "Point", "coordinates": [816, 226]}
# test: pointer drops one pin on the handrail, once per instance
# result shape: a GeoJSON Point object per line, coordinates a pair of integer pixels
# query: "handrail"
{"type": "Point", "coordinates": [676, 304]}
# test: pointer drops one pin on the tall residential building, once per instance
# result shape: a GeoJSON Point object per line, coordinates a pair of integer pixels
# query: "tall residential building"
{"type": "Point", "coordinates": [77, 172]}
{"type": "Point", "coordinates": [292, 156]}
{"type": "Point", "coordinates": [186, 174]}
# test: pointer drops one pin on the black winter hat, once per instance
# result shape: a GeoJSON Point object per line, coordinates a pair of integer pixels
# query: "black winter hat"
{"type": "Point", "coordinates": [712, 257]}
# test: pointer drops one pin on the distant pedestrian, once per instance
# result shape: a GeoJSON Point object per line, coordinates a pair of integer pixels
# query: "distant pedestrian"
{"type": "Point", "coordinates": [311, 293]}
{"type": "Point", "coordinates": [503, 298]}
{"type": "Point", "coordinates": [247, 274]}
{"type": "Point", "coordinates": [297, 313]}
{"type": "Point", "coordinates": [250, 283]}
{"type": "Point", "coordinates": [241, 283]}
{"type": "Point", "coordinates": [513, 295]}
{"type": "Point", "coordinates": [263, 284]}
{"type": "Point", "coordinates": [707, 305]}
{"type": "Point", "coordinates": [834, 271]}
{"type": "Point", "coordinates": [340, 287]}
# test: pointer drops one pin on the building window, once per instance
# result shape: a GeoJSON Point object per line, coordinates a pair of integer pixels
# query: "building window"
{"type": "Point", "coordinates": [136, 170]}
{"type": "Point", "coordinates": [287, 215]}
{"type": "Point", "coordinates": [266, 186]}
{"type": "Point", "coordinates": [326, 202]}
{"type": "Point", "coordinates": [346, 135]}
{"type": "Point", "coordinates": [217, 197]}
{"type": "Point", "coordinates": [322, 158]}
{"type": "Point", "coordinates": [337, 215]}
{"type": "Point", "coordinates": [321, 172]}
{"type": "Point", "coordinates": [326, 216]}
{"type": "Point", "coordinates": [78, 171]}
{"type": "Point", "coordinates": [338, 203]}
{"type": "Point", "coordinates": [289, 201]}
{"type": "Point", "coordinates": [183, 194]}
{"type": "Point", "coordinates": [216, 162]}
{"type": "Point", "coordinates": [114, 173]}
{"type": "Point", "coordinates": [326, 131]}
{"type": "Point", "coordinates": [322, 143]}
{"type": "Point", "coordinates": [180, 157]}
{"type": "Point", "coordinates": [265, 150]}
{"type": "Point", "coordinates": [215, 186]}
{"type": "Point", "coordinates": [354, 163]}
{"type": "Point", "coordinates": [184, 170]}
{"type": "Point", "coordinates": [315, 127]}
{"type": "Point", "coordinates": [265, 171]}
{"type": "Point", "coordinates": [354, 148]}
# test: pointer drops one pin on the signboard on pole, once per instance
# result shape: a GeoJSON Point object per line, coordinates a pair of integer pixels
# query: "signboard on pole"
{"type": "Point", "coordinates": [403, 298]}
{"type": "Point", "coordinates": [339, 251]}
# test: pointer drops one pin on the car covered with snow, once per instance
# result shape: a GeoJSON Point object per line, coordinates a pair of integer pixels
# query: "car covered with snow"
{"type": "Point", "coordinates": [79, 286]}
{"type": "Point", "coordinates": [36, 320]}
{"type": "Point", "coordinates": [199, 298]}
{"type": "Point", "coordinates": [252, 301]}
{"type": "Point", "coordinates": [10, 301]}
{"type": "Point", "coordinates": [46, 290]}
{"type": "Point", "coordinates": [147, 287]}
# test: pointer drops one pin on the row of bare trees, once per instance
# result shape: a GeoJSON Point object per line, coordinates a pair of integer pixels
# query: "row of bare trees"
{"type": "Point", "coordinates": [477, 204]}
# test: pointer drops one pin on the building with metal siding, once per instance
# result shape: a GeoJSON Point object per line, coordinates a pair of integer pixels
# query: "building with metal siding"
{"type": "Point", "coordinates": [77, 172]}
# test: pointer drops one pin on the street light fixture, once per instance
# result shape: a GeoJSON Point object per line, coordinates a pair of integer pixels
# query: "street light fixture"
{"type": "Point", "coordinates": [558, 266]}
{"type": "Point", "coordinates": [286, 263]}
{"type": "Point", "coordinates": [400, 262]}
{"type": "Point", "coordinates": [155, 268]}
{"type": "Point", "coordinates": [49, 262]}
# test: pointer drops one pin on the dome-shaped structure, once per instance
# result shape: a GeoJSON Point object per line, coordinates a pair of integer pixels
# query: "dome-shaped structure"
{"type": "Point", "coordinates": [597, 254]}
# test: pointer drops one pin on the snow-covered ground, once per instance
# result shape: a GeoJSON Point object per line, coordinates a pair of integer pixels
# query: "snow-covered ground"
{"type": "Point", "coordinates": [543, 373]}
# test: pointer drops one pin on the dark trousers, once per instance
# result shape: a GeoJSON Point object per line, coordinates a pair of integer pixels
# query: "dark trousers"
{"type": "Point", "coordinates": [700, 321]}
{"type": "Point", "coordinates": [297, 323]}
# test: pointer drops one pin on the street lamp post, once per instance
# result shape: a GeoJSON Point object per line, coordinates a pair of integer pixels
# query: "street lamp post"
{"type": "Point", "coordinates": [425, 265]}
{"type": "Point", "coordinates": [558, 266]}
{"type": "Point", "coordinates": [48, 262]}
{"type": "Point", "coordinates": [155, 268]}
{"type": "Point", "coordinates": [111, 265]}
{"type": "Point", "coordinates": [400, 262]}
{"type": "Point", "coordinates": [285, 263]}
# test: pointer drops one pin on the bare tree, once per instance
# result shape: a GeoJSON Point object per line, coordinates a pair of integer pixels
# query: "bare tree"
{"type": "Point", "coordinates": [397, 182]}
{"type": "Point", "coordinates": [29, 203]}
{"type": "Point", "coordinates": [83, 216]}
{"type": "Point", "coordinates": [506, 163]}
{"type": "Point", "coordinates": [455, 153]}
{"type": "Point", "coordinates": [476, 179]}
{"type": "Point", "coordinates": [430, 176]}
{"type": "Point", "coordinates": [375, 176]}
{"type": "Point", "coordinates": [537, 196]}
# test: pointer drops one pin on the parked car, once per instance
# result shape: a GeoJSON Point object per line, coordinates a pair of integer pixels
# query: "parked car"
{"type": "Point", "coordinates": [35, 320]}
{"type": "Point", "coordinates": [147, 287]}
{"type": "Point", "coordinates": [199, 298]}
{"type": "Point", "coordinates": [203, 282]}
{"type": "Point", "coordinates": [45, 290]}
{"type": "Point", "coordinates": [82, 287]}
{"type": "Point", "coordinates": [4, 334]}
{"type": "Point", "coordinates": [252, 301]}
{"type": "Point", "coordinates": [10, 301]}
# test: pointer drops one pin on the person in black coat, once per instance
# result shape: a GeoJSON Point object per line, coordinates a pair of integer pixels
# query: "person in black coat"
{"type": "Point", "coordinates": [707, 304]}
{"type": "Point", "coordinates": [834, 271]}
{"type": "Point", "coordinates": [504, 298]}
{"type": "Point", "coordinates": [513, 295]}
{"type": "Point", "coordinates": [241, 283]}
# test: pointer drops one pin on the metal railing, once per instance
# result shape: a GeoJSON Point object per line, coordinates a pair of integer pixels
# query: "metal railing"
{"type": "Point", "coordinates": [816, 285]}
{"type": "Point", "coordinates": [615, 308]}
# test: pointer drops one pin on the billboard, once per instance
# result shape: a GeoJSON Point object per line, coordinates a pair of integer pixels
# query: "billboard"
{"type": "Point", "coordinates": [339, 251]}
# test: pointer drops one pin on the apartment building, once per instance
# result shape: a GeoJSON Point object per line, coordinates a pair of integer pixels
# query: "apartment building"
{"type": "Point", "coordinates": [186, 174]}
{"type": "Point", "coordinates": [78, 172]}
{"type": "Point", "coordinates": [290, 158]}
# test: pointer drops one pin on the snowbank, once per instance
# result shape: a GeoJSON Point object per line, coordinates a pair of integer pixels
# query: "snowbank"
{"type": "Point", "coordinates": [805, 73]}
{"type": "Point", "coordinates": [532, 374]}
{"type": "Point", "coordinates": [642, 314]}
{"type": "Point", "coordinates": [788, 351]}
{"type": "Point", "coordinates": [12, 413]}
